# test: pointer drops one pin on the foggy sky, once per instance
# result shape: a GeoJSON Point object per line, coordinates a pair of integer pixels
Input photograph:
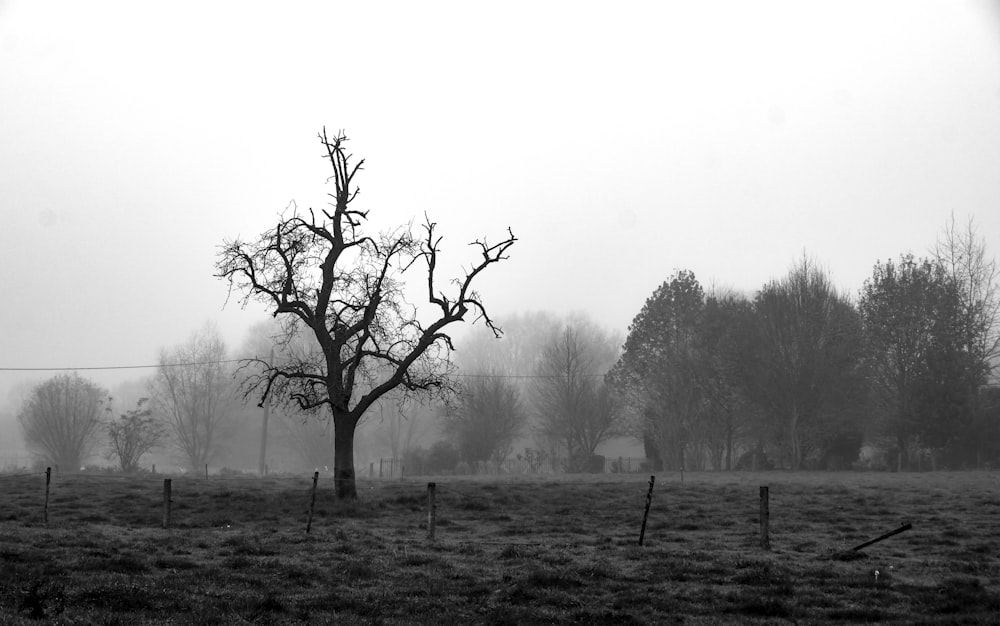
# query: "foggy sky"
{"type": "Point", "coordinates": [619, 142]}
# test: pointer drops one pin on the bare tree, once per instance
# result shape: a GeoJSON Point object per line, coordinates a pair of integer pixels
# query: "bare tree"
{"type": "Point", "coordinates": [309, 437]}
{"type": "Point", "coordinates": [132, 435]}
{"type": "Point", "coordinates": [61, 420]}
{"type": "Point", "coordinates": [399, 421]}
{"type": "Point", "coordinates": [577, 411]}
{"type": "Point", "coordinates": [962, 253]}
{"type": "Point", "coordinates": [323, 274]}
{"type": "Point", "coordinates": [193, 390]}
{"type": "Point", "coordinates": [488, 419]}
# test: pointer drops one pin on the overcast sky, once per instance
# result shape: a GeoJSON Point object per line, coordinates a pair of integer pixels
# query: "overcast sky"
{"type": "Point", "coordinates": [620, 141]}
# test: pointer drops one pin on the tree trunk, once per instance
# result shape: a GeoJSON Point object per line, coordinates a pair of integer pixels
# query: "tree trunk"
{"type": "Point", "coordinates": [793, 439]}
{"type": "Point", "coordinates": [729, 448]}
{"type": "Point", "coordinates": [343, 456]}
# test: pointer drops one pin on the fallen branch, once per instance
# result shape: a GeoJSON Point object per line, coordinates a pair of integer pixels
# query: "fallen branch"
{"type": "Point", "coordinates": [885, 536]}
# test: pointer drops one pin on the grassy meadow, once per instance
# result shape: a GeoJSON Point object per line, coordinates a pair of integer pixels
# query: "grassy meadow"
{"type": "Point", "coordinates": [523, 550]}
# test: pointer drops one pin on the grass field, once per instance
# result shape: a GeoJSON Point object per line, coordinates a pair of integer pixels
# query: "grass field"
{"type": "Point", "coordinates": [558, 550]}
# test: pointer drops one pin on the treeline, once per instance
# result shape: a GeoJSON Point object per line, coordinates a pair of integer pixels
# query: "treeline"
{"type": "Point", "coordinates": [802, 376]}
{"type": "Point", "coordinates": [191, 413]}
{"type": "Point", "coordinates": [797, 375]}
{"type": "Point", "coordinates": [187, 407]}
{"type": "Point", "coordinates": [538, 396]}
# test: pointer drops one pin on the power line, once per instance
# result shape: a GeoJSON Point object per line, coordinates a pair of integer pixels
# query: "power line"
{"type": "Point", "coordinates": [136, 367]}
{"type": "Point", "coordinates": [112, 367]}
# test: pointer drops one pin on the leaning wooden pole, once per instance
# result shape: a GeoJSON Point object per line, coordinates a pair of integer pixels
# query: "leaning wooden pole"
{"type": "Point", "coordinates": [902, 528]}
{"type": "Point", "coordinates": [645, 514]}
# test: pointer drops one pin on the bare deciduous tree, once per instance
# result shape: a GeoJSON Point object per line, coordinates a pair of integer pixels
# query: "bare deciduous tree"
{"type": "Point", "coordinates": [577, 411]}
{"type": "Point", "coordinates": [132, 435]}
{"type": "Point", "coordinates": [963, 254]}
{"type": "Point", "coordinates": [399, 422]}
{"type": "Point", "coordinates": [345, 288]}
{"type": "Point", "coordinates": [193, 391]}
{"type": "Point", "coordinates": [488, 420]}
{"type": "Point", "coordinates": [61, 420]}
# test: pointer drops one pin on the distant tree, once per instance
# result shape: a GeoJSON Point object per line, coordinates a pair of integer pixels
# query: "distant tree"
{"type": "Point", "coordinates": [488, 419]}
{"type": "Point", "coordinates": [399, 421]}
{"type": "Point", "coordinates": [442, 457]}
{"type": "Point", "coordinates": [517, 352]}
{"type": "Point", "coordinates": [309, 437]}
{"type": "Point", "coordinates": [515, 356]}
{"type": "Point", "coordinates": [725, 329]}
{"type": "Point", "coordinates": [132, 435]}
{"type": "Point", "coordinates": [808, 357]}
{"type": "Point", "coordinates": [577, 411]}
{"type": "Point", "coordinates": [963, 254]}
{"type": "Point", "coordinates": [914, 332]}
{"type": "Point", "coordinates": [345, 288]}
{"type": "Point", "coordinates": [662, 368]}
{"type": "Point", "coordinates": [193, 392]}
{"type": "Point", "coordinates": [988, 429]}
{"type": "Point", "coordinates": [61, 421]}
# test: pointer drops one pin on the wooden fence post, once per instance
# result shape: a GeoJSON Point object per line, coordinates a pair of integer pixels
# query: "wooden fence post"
{"type": "Point", "coordinates": [431, 510]}
{"type": "Point", "coordinates": [765, 513]}
{"type": "Point", "coordinates": [312, 502]}
{"type": "Point", "coordinates": [48, 479]}
{"type": "Point", "coordinates": [645, 514]}
{"type": "Point", "coordinates": [166, 503]}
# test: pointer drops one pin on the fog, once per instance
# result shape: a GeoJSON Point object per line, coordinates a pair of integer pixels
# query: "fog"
{"type": "Point", "coordinates": [619, 144]}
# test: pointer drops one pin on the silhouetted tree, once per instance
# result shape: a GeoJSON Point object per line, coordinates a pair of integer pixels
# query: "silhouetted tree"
{"type": "Point", "coordinates": [325, 276]}
{"type": "Point", "coordinates": [132, 435]}
{"type": "Point", "coordinates": [61, 420]}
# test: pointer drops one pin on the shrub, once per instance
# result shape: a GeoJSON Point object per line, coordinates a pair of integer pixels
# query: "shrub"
{"type": "Point", "coordinates": [442, 457]}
